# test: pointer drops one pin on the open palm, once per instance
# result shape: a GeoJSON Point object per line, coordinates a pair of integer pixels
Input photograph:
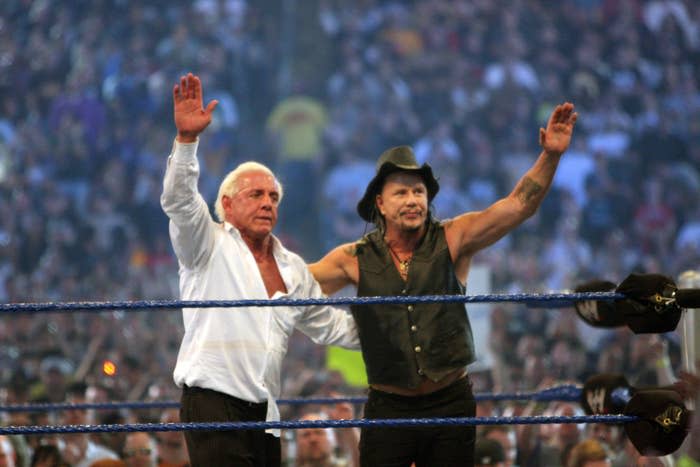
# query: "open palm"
{"type": "Point", "coordinates": [190, 116]}
{"type": "Point", "coordinates": [556, 137]}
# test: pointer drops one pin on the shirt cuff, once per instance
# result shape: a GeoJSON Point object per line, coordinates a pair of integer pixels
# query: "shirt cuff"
{"type": "Point", "coordinates": [185, 152]}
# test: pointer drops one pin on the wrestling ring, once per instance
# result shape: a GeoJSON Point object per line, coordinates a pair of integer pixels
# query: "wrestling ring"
{"type": "Point", "coordinates": [654, 420]}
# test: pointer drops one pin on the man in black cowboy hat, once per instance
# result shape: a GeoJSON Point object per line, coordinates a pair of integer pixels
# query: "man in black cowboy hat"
{"type": "Point", "coordinates": [417, 354]}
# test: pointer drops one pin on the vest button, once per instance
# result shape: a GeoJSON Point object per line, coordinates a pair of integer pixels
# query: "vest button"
{"type": "Point", "coordinates": [410, 307]}
{"type": "Point", "coordinates": [404, 291]}
{"type": "Point", "coordinates": [417, 348]}
{"type": "Point", "coordinates": [414, 328]}
{"type": "Point", "coordinates": [420, 371]}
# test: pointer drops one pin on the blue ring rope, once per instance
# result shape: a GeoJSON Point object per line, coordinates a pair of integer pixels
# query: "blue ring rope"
{"type": "Point", "coordinates": [556, 300]}
{"type": "Point", "coordinates": [567, 393]}
{"type": "Point", "coordinates": [544, 300]}
{"type": "Point", "coordinates": [297, 424]}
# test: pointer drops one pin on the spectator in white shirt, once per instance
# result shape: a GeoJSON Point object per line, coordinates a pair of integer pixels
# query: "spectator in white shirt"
{"type": "Point", "coordinates": [229, 359]}
{"type": "Point", "coordinates": [7, 452]}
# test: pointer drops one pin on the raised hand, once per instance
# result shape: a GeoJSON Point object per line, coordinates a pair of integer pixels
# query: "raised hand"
{"type": "Point", "coordinates": [556, 137]}
{"type": "Point", "coordinates": [190, 116]}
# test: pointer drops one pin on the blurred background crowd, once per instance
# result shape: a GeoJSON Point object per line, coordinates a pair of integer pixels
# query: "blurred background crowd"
{"type": "Point", "coordinates": [317, 90]}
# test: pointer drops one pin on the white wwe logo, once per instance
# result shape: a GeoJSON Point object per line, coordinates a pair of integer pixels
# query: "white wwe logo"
{"type": "Point", "coordinates": [596, 400]}
{"type": "Point", "coordinates": [589, 310]}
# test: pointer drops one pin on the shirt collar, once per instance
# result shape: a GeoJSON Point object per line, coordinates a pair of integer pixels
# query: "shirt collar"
{"type": "Point", "coordinates": [278, 250]}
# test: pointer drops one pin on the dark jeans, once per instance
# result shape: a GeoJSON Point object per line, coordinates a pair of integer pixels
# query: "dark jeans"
{"type": "Point", "coordinates": [443, 446]}
{"type": "Point", "coordinates": [247, 448]}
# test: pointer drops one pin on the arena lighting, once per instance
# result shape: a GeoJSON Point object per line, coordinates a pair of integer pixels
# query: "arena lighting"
{"type": "Point", "coordinates": [109, 368]}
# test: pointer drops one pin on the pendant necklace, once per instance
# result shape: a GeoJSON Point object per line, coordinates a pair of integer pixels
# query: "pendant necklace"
{"type": "Point", "coordinates": [403, 263]}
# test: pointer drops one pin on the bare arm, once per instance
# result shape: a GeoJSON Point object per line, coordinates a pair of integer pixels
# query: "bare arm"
{"type": "Point", "coordinates": [471, 232]}
{"type": "Point", "coordinates": [90, 355]}
{"type": "Point", "coordinates": [337, 269]}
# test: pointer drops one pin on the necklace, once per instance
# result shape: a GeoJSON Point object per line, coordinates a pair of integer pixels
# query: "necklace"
{"type": "Point", "coordinates": [403, 263]}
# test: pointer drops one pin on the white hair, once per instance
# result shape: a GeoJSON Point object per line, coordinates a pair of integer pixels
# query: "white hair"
{"type": "Point", "coordinates": [229, 187]}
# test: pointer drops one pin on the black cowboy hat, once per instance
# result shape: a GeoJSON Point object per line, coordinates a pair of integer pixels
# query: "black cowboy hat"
{"type": "Point", "coordinates": [396, 159]}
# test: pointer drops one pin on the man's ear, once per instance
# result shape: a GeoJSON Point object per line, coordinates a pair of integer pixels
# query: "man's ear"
{"type": "Point", "coordinates": [379, 203]}
{"type": "Point", "coordinates": [226, 202]}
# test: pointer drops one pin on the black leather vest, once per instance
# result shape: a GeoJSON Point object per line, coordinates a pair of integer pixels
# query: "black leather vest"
{"type": "Point", "coordinates": [401, 343]}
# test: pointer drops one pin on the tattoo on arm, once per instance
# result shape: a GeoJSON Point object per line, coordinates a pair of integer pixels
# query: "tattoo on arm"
{"type": "Point", "coordinates": [528, 190]}
{"type": "Point", "coordinates": [350, 250]}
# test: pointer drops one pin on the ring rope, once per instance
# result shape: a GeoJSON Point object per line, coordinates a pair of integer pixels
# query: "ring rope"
{"type": "Point", "coordinates": [549, 300]}
{"type": "Point", "coordinates": [300, 424]}
{"type": "Point", "coordinates": [558, 300]}
{"type": "Point", "coordinates": [566, 393]}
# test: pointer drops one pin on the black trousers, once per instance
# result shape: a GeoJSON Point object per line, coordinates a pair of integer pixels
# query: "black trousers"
{"type": "Point", "coordinates": [240, 448]}
{"type": "Point", "coordinates": [443, 446]}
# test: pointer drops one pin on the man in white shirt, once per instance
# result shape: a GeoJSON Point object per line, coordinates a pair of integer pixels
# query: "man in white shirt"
{"type": "Point", "coordinates": [229, 359]}
{"type": "Point", "coordinates": [7, 452]}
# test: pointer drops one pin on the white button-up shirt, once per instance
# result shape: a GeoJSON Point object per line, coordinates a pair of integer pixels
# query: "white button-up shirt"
{"type": "Point", "coordinates": [236, 351]}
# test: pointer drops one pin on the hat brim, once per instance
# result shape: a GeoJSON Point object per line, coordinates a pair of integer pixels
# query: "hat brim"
{"type": "Point", "coordinates": [366, 205]}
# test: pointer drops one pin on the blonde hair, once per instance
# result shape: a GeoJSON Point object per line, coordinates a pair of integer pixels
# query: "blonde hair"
{"type": "Point", "coordinates": [229, 186]}
{"type": "Point", "coordinates": [586, 451]}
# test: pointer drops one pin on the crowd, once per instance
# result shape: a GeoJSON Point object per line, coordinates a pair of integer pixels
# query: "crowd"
{"type": "Point", "coordinates": [317, 93]}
